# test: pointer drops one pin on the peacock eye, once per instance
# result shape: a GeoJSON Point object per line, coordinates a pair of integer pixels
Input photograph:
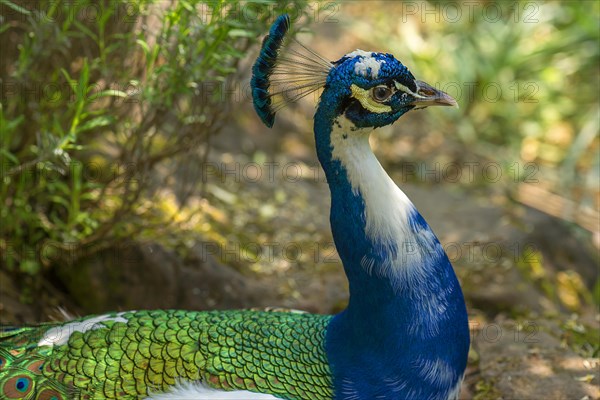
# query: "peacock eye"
{"type": "Point", "coordinates": [381, 93]}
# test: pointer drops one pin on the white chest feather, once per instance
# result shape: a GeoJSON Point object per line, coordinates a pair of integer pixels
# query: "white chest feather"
{"type": "Point", "coordinates": [198, 391]}
{"type": "Point", "coordinates": [60, 335]}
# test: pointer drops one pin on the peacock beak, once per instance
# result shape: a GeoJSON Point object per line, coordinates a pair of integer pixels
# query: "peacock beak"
{"type": "Point", "coordinates": [430, 96]}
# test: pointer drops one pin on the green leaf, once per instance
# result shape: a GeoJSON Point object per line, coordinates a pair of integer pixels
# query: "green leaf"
{"type": "Point", "coordinates": [15, 7]}
{"type": "Point", "coordinates": [240, 33]}
{"type": "Point", "coordinates": [30, 267]}
{"type": "Point", "coordinates": [144, 46]}
{"type": "Point", "coordinates": [60, 200]}
{"type": "Point", "coordinates": [109, 93]}
{"type": "Point", "coordinates": [95, 123]}
{"type": "Point", "coordinates": [86, 30]}
{"type": "Point", "coordinates": [67, 76]}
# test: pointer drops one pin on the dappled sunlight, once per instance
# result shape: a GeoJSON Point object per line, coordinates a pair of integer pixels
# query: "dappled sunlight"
{"type": "Point", "coordinates": [135, 158]}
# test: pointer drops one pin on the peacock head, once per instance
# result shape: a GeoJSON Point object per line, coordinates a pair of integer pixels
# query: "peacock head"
{"type": "Point", "coordinates": [375, 89]}
{"type": "Point", "coordinates": [370, 89]}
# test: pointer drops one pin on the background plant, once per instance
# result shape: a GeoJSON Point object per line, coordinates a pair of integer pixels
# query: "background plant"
{"type": "Point", "coordinates": [95, 97]}
{"type": "Point", "coordinates": [526, 76]}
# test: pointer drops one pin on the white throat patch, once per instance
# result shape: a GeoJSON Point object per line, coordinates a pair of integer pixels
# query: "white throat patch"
{"type": "Point", "coordinates": [387, 215]}
{"type": "Point", "coordinates": [387, 209]}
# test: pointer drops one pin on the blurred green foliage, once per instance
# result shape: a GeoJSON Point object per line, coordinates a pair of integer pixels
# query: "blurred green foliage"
{"type": "Point", "coordinates": [526, 75]}
{"type": "Point", "coordinates": [95, 96]}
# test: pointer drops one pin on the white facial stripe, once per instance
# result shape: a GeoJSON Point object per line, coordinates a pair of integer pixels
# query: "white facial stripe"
{"type": "Point", "coordinates": [367, 63]}
{"type": "Point", "coordinates": [197, 390]}
{"type": "Point", "coordinates": [60, 335]}
{"type": "Point", "coordinates": [400, 86]}
{"type": "Point", "coordinates": [364, 96]}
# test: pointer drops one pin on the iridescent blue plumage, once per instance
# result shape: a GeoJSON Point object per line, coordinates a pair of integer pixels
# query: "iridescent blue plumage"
{"type": "Point", "coordinates": [404, 334]}
{"type": "Point", "coordinates": [263, 68]}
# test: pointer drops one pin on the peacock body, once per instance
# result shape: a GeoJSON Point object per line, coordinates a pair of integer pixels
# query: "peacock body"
{"type": "Point", "coordinates": [404, 334]}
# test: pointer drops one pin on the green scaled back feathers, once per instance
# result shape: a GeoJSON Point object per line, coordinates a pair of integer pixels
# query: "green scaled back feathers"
{"type": "Point", "coordinates": [133, 354]}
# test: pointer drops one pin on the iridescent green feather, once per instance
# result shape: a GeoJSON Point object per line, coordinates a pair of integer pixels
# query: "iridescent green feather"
{"type": "Point", "coordinates": [269, 352]}
{"type": "Point", "coordinates": [22, 376]}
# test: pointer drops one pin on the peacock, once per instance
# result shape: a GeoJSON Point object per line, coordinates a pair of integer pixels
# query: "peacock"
{"type": "Point", "coordinates": [403, 335]}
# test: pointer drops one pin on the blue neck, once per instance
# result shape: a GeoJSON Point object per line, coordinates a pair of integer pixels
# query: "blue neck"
{"type": "Point", "coordinates": [398, 324]}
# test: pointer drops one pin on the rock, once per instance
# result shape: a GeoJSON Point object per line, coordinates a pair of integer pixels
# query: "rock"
{"type": "Point", "coordinates": [147, 276]}
{"type": "Point", "coordinates": [21, 304]}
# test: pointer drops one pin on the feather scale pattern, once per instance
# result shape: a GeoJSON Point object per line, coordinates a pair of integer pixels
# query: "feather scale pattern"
{"type": "Point", "coordinates": [279, 353]}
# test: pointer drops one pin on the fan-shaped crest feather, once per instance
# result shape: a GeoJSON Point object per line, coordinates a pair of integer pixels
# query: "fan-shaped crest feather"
{"type": "Point", "coordinates": [283, 74]}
